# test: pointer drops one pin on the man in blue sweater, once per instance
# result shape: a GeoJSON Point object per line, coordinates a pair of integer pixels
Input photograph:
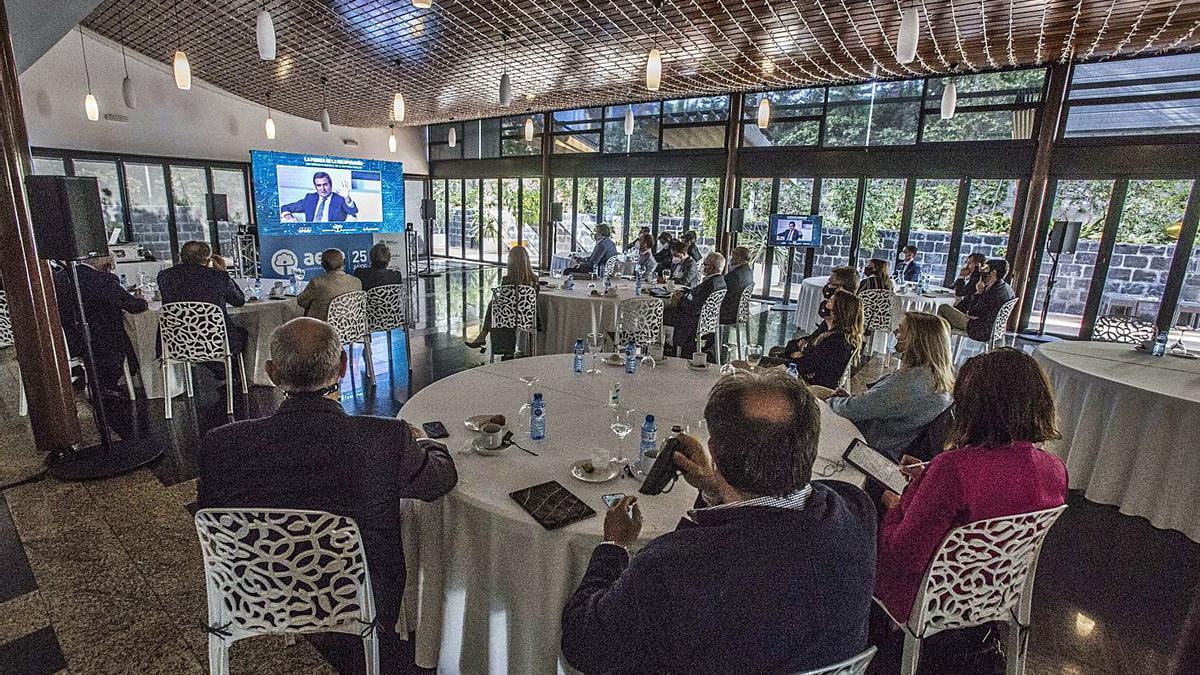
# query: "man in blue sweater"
{"type": "Point", "coordinates": [770, 574]}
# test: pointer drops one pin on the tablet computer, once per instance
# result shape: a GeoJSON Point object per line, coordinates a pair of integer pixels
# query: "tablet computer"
{"type": "Point", "coordinates": [552, 505]}
{"type": "Point", "coordinates": [878, 466]}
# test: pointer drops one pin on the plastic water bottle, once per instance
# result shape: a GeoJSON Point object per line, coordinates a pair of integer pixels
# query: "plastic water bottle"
{"type": "Point", "coordinates": [631, 358]}
{"type": "Point", "coordinates": [537, 420]}
{"type": "Point", "coordinates": [569, 282]}
{"type": "Point", "coordinates": [614, 395]}
{"type": "Point", "coordinates": [793, 370]}
{"type": "Point", "coordinates": [649, 446]}
{"type": "Point", "coordinates": [258, 289]}
{"type": "Point", "coordinates": [579, 349]}
{"type": "Point", "coordinates": [1160, 343]}
{"type": "Point", "coordinates": [637, 280]}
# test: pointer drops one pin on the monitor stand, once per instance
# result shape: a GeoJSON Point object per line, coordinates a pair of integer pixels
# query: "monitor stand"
{"type": "Point", "coordinates": [787, 304]}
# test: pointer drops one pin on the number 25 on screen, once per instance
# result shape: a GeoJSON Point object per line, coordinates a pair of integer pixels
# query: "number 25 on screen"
{"type": "Point", "coordinates": [358, 257]}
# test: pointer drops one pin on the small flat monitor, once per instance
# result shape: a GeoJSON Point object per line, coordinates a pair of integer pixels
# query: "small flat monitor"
{"type": "Point", "coordinates": [796, 230]}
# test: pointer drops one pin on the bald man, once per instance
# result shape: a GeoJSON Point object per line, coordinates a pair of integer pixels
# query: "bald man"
{"type": "Point", "coordinates": [311, 455]}
{"type": "Point", "coordinates": [685, 313]}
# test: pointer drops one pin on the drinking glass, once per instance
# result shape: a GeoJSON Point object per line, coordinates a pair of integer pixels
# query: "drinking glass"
{"type": "Point", "coordinates": [298, 275]}
{"type": "Point", "coordinates": [754, 355]}
{"type": "Point", "coordinates": [621, 421]}
{"type": "Point", "coordinates": [647, 359]}
{"type": "Point", "coordinates": [525, 413]}
{"type": "Point", "coordinates": [594, 343]}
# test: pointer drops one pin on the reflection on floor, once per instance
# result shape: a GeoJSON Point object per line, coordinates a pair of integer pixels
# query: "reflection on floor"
{"type": "Point", "coordinates": [105, 576]}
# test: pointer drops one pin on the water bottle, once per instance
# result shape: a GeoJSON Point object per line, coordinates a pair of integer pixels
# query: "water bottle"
{"type": "Point", "coordinates": [631, 358]}
{"type": "Point", "coordinates": [649, 447]}
{"type": "Point", "coordinates": [569, 281]}
{"type": "Point", "coordinates": [637, 280]}
{"type": "Point", "coordinates": [258, 289]}
{"type": "Point", "coordinates": [579, 349]}
{"type": "Point", "coordinates": [1160, 343]}
{"type": "Point", "coordinates": [537, 420]}
{"type": "Point", "coordinates": [614, 395]}
{"type": "Point", "coordinates": [793, 370]}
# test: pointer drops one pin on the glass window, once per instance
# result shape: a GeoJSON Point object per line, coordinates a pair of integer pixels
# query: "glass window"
{"type": "Point", "coordinates": [1085, 201]}
{"type": "Point", "coordinates": [755, 202]}
{"type": "Point", "coordinates": [795, 118]}
{"type": "Point", "coordinates": [795, 197]}
{"type": "Point", "coordinates": [490, 232]}
{"type": "Point", "coordinates": [873, 113]}
{"type": "Point", "coordinates": [883, 207]}
{"type": "Point", "coordinates": [531, 217]}
{"type": "Point", "coordinates": [671, 192]}
{"type": "Point", "coordinates": [510, 214]}
{"type": "Point", "coordinates": [838, 197]}
{"type": "Point", "coordinates": [1187, 312]}
{"type": "Point", "coordinates": [189, 185]}
{"type": "Point", "coordinates": [695, 122]}
{"type": "Point", "coordinates": [577, 130]}
{"type": "Point", "coordinates": [105, 174]}
{"type": "Point", "coordinates": [48, 166]}
{"type": "Point", "coordinates": [148, 210]}
{"type": "Point", "coordinates": [990, 106]}
{"type": "Point", "coordinates": [438, 243]}
{"type": "Point", "coordinates": [693, 137]}
{"type": "Point", "coordinates": [614, 212]}
{"type": "Point", "coordinates": [934, 201]}
{"type": "Point", "coordinates": [705, 211]}
{"type": "Point", "coordinates": [472, 226]}
{"type": "Point", "coordinates": [232, 184]}
{"type": "Point", "coordinates": [586, 210]}
{"type": "Point", "coordinates": [564, 194]}
{"type": "Point", "coordinates": [457, 241]}
{"type": "Point", "coordinates": [645, 128]}
{"type": "Point", "coordinates": [1135, 96]}
{"type": "Point", "coordinates": [512, 136]}
{"type": "Point", "coordinates": [489, 138]}
{"type": "Point", "coordinates": [439, 136]}
{"type": "Point", "coordinates": [1150, 223]}
{"type": "Point", "coordinates": [641, 203]}
{"type": "Point", "coordinates": [990, 206]}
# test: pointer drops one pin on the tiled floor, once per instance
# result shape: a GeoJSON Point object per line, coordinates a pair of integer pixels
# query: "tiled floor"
{"type": "Point", "coordinates": [105, 577]}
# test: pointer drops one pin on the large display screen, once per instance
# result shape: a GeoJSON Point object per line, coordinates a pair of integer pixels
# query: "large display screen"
{"type": "Point", "coordinates": [312, 194]}
{"type": "Point", "coordinates": [795, 230]}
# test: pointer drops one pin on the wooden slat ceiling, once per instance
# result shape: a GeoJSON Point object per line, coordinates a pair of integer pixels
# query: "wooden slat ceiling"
{"type": "Point", "coordinates": [578, 53]}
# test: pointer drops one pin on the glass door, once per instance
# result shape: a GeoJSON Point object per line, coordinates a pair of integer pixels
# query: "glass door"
{"type": "Point", "coordinates": [149, 212]}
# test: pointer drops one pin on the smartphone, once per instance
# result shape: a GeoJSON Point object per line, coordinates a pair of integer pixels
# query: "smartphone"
{"type": "Point", "coordinates": [611, 500]}
{"type": "Point", "coordinates": [435, 430]}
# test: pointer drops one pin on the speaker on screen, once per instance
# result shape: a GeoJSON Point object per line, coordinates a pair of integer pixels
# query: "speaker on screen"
{"type": "Point", "coordinates": [218, 206]}
{"type": "Point", "coordinates": [68, 221]}
{"type": "Point", "coordinates": [737, 218]}
{"type": "Point", "coordinates": [428, 209]}
{"type": "Point", "coordinates": [556, 212]}
{"type": "Point", "coordinates": [1064, 236]}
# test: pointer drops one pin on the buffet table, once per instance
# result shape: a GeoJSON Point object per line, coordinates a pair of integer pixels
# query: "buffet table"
{"type": "Point", "coordinates": [1130, 424]}
{"type": "Point", "coordinates": [487, 584]}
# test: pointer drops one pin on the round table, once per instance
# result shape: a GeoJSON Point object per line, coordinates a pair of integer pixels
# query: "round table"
{"type": "Point", "coordinates": [1130, 424]}
{"type": "Point", "coordinates": [567, 315]}
{"type": "Point", "coordinates": [258, 317]}
{"type": "Point", "coordinates": [810, 297]}
{"type": "Point", "coordinates": [487, 584]}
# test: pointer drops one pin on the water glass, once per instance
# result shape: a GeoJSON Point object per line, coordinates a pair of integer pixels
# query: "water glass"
{"type": "Point", "coordinates": [595, 341]}
{"type": "Point", "coordinates": [621, 420]}
{"type": "Point", "coordinates": [525, 412]}
{"type": "Point", "coordinates": [754, 355]}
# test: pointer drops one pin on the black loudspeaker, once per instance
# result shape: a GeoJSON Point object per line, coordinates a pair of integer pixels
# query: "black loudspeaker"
{"type": "Point", "coordinates": [218, 206]}
{"type": "Point", "coordinates": [1064, 236]}
{"type": "Point", "coordinates": [68, 222]}
{"type": "Point", "coordinates": [737, 218]}
{"type": "Point", "coordinates": [556, 212]}
{"type": "Point", "coordinates": [428, 209]}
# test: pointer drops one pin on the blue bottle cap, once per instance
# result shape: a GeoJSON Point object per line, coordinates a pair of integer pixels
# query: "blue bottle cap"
{"type": "Point", "coordinates": [537, 396]}
{"type": "Point", "coordinates": [650, 418]}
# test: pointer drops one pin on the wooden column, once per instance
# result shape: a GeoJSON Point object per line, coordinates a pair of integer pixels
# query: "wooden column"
{"type": "Point", "coordinates": [27, 281]}
{"type": "Point", "coordinates": [546, 243]}
{"type": "Point", "coordinates": [733, 143]}
{"type": "Point", "coordinates": [1037, 198]}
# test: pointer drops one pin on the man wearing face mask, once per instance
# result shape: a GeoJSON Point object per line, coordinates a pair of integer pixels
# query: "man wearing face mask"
{"type": "Point", "coordinates": [845, 278]}
{"type": "Point", "coordinates": [685, 313]}
{"type": "Point", "coordinates": [991, 293]}
{"type": "Point", "coordinates": [683, 269]}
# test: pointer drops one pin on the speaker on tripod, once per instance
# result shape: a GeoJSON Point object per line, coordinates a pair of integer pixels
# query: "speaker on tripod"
{"type": "Point", "coordinates": [68, 226]}
{"type": "Point", "coordinates": [428, 214]}
{"type": "Point", "coordinates": [1064, 237]}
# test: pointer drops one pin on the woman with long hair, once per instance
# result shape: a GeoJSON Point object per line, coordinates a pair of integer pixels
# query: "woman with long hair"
{"type": "Point", "coordinates": [875, 276]}
{"type": "Point", "coordinates": [825, 353]}
{"type": "Point", "coordinates": [519, 272]}
{"type": "Point", "coordinates": [895, 408]}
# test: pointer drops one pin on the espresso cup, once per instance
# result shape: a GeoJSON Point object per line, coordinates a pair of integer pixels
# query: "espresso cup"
{"type": "Point", "coordinates": [493, 435]}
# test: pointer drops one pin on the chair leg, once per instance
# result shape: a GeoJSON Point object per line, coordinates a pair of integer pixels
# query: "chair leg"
{"type": "Point", "coordinates": [389, 348]}
{"type": "Point", "coordinates": [957, 349]}
{"type": "Point", "coordinates": [166, 384]}
{"type": "Point", "coordinates": [350, 358]}
{"type": "Point", "coordinates": [242, 367]}
{"type": "Point", "coordinates": [229, 385]}
{"type": "Point", "coordinates": [187, 370]}
{"type": "Point", "coordinates": [1015, 648]}
{"type": "Point", "coordinates": [371, 652]}
{"type": "Point", "coordinates": [912, 654]}
{"type": "Point", "coordinates": [737, 334]}
{"type": "Point", "coordinates": [218, 656]}
{"type": "Point", "coordinates": [369, 358]}
{"type": "Point", "coordinates": [128, 380]}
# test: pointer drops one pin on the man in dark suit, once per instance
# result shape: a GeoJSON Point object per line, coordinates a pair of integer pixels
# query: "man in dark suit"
{"type": "Point", "coordinates": [683, 269]}
{"type": "Point", "coordinates": [908, 268]}
{"type": "Point", "coordinates": [968, 279]}
{"type": "Point", "coordinates": [791, 234]}
{"type": "Point", "coordinates": [685, 311]}
{"type": "Point", "coordinates": [991, 293]}
{"type": "Point", "coordinates": [739, 277]}
{"type": "Point", "coordinates": [200, 277]}
{"type": "Point", "coordinates": [379, 274]}
{"type": "Point", "coordinates": [105, 302]}
{"type": "Point", "coordinates": [662, 256]}
{"type": "Point", "coordinates": [771, 573]}
{"type": "Point", "coordinates": [311, 455]}
{"type": "Point", "coordinates": [324, 205]}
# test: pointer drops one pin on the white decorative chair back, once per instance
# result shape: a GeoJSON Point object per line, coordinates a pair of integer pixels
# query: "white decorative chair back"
{"type": "Point", "coordinates": [981, 572]}
{"type": "Point", "coordinates": [348, 315]}
{"type": "Point", "coordinates": [855, 665]}
{"type": "Point", "coordinates": [1001, 326]}
{"type": "Point", "coordinates": [710, 314]}
{"type": "Point", "coordinates": [386, 307]}
{"type": "Point", "coordinates": [877, 309]}
{"type": "Point", "coordinates": [611, 265]}
{"type": "Point", "coordinates": [514, 307]}
{"type": "Point", "coordinates": [6, 329]}
{"type": "Point", "coordinates": [1128, 330]}
{"type": "Point", "coordinates": [647, 314]}
{"type": "Point", "coordinates": [743, 313]}
{"type": "Point", "coordinates": [193, 332]}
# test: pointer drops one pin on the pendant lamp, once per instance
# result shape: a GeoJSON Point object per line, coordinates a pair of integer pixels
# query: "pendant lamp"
{"type": "Point", "coordinates": [629, 121]}
{"type": "Point", "coordinates": [949, 99]}
{"type": "Point", "coordinates": [906, 41]}
{"type": "Point", "coordinates": [392, 138]}
{"type": "Point", "coordinates": [764, 112]}
{"type": "Point", "coordinates": [269, 125]}
{"type": "Point", "coordinates": [127, 92]}
{"type": "Point", "coordinates": [505, 80]}
{"type": "Point", "coordinates": [422, 4]}
{"type": "Point", "coordinates": [183, 69]}
{"type": "Point", "coordinates": [398, 110]}
{"type": "Point", "coordinates": [264, 31]}
{"type": "Point", "coordinates": [529, 129]}
{"type": "Point", "coordinates": [653, 69]}
{"type": "Point", "coordinates": [324, 108]}
{"type": "Point", "coordinates": [452, 138]}
{"type": "Point", "coordinates": [90, 107]}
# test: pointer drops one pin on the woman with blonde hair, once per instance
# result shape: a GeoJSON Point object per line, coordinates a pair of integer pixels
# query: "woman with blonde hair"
{"type": "Point", "coordinates": [519, 273]}
{"type": "Point", "coordinates": [895, 408]}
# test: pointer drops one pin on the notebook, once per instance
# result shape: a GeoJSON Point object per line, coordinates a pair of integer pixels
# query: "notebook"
{"type": "Point", "coordinates": [552, 505]}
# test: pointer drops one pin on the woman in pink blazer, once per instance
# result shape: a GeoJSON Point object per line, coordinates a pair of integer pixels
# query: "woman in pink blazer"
{"type": "Point", "coordinates": [1003, 407]}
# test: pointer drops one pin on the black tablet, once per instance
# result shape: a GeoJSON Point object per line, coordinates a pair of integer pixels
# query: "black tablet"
{"type": "Point", "coordinates": [552, 505]}
{"type": "Point", "coordinates": [878, 466]}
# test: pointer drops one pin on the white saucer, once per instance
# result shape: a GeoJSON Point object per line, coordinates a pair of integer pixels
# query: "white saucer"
{"type": "Point", "coordinates": [477, 446]}
{"type": "Point", "coordinates": [596, 476]}
{"type": "Point", "coordinates": [614, 360]}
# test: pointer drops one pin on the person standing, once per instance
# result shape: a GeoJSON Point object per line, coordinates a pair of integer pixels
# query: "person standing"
{"type": "Point", "coordinates": [324, 287]}
{"type": "Point", "coordinates": [105, 303]}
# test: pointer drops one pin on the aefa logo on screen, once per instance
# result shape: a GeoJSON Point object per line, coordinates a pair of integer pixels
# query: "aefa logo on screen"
{"type": "Point", "coordinates": [283, 261]}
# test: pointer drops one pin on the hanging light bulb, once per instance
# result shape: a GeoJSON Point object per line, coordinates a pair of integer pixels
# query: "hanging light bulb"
{"type": "Point", "coordinates": [90, 107]}
{"type": "Point", "coordinates": [906, 41]}
{"type": "Point", "coordinates": [764, 112]}
{"type": "Point", "coordinates": [264, 31]}
{"type": "Point", "coordinates": [529, 129]}
{"type": "Point", "coordinates": [452, 138]}
{"type": "Point", "coordinates": [392, 138]}
{"type": "Point", "coordinates": [324, 108]}
{"type": "Point", "coordinates": [183, 70]}
{"type": "Point", "coordinates": [505, 80]}
{"type": "Point", "coordinates": [422, 4]}
{"type": "Point", "coordinates": [653, 69]}
{"type": "Point", "coordinates": [629, 120]}
{"type": "Point", "coordinates": [949, 99]}
{"type": "Point", "coordinates": [398, 99]}
{"type": "Point", "coordinates": [269, 125]}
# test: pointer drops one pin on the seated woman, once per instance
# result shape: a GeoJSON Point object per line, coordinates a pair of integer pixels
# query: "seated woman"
{"type": "Point", "coordinates": [823, 356]}
{"type": "Point", "coordinates": [645, 259]}
{"type": "Point", "coordinates": [840, 277]}
{"type": "Point", "coordinates": [1003, 407]}
{"type": "Point", "coordinates": [892, 412]}
{"type": "Point", "coordinates": [519, 273]}
{"type": "Point", "coordinates": [875, 276]}
{"type": "Point", "coordinates": [378, 274]}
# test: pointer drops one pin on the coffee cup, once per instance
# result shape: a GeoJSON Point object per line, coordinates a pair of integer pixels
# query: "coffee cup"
{"type": "Point", "coordinates": [656, 351]}
{"type": "Point", "coordinates": [699, 359]}
{"type": "Point", "coordinates": [493, 435]}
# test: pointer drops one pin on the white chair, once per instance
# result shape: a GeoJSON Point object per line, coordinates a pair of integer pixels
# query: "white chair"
{"type": "Point", "coordinates": [194, 332]}
{"type": "Point", "coordinates": [742, 320]}
{"type": "Point", "coordinates": [612, 265]}
{"type": "Point", "coordinates": [709, 320]}
{"type": "Point", "coordinates": [983, 572]}
{"type": "Point", "coordinates": [644, 312]}
{"type": "Point", "coordinates": [386, 307]}
{"type": "Point", "coordinates": [279, 571]}
{"type": "Point", "coordinates": [515, 307]}
{"type": "Point", "coordinates": [348, 316]}
{"type": "Point", "coordinates": [878, 305]}
{"type": "Point", "coordinates": [999, 334]}
{"type": "Point", "coordinates": [1129, 330]}
{"type": "Point", "coordinates": [855, 665]}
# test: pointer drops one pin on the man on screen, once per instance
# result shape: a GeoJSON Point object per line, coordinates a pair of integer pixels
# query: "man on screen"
{"type": "Point", "coordinates": [324, 205]}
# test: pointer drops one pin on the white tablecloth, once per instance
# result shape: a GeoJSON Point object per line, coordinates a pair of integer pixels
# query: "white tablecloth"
{"type": "Point", "coordinates": [566, 315]}
{"type": "Point", "coordinates": [487, 584]}
{"type": "Point", "coordinates": [809, 301]}
{"type": "Point", "coordinates": [258, 317]}
{"type": "Point", "coordinates": [1131, 429]}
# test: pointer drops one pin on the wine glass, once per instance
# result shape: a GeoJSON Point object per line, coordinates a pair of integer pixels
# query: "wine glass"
{"type": "Point", "coordinates": [594, 342]}
{"type": "Point", "coordinates": [754, 355]}
{"type": "Point", "coordinates": [1179, 345]}
{"type": "Point", "coordinates": [298, 275]}
{"type": "Point", "coordinates": [621, 422]}
{"type": "Point", "coordinates": [647, 359]}
{"type": "Point", "coordinates": [525, 413]}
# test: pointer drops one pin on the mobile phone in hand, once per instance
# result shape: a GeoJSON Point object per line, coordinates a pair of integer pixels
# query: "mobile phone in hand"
{"type": "Point", "coordinates": [611, 500]}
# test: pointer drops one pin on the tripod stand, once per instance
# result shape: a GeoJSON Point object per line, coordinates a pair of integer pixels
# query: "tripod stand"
{"type": "Point", "coordinates": [428, 271]}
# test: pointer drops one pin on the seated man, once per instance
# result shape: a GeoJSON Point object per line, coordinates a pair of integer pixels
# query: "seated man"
{"type": "Point", "coordinates": [601, 252]}
{"type": "Point", "coordinates": [201, 277]}
{"type": "Point", "coordinates": [379, 274]}
{"type": "Point", "coordinates": [685, 312]}
{"type": "Point", "coordinates": [739, 277]}
{"type": "Point", "coordinates": [105, 302]}
{"type": "Point", "coordinates": [908, 269]}
{"type": "Point", "coordinates": [324, 287]}
{"type": "Point", "coordinates": [968, 279]}
{"type": "Point", "coordinates": [773, 574]}
{"type": "Point", "coordinates": [991, 293]}
{"type": "Point", "coordinates": [311, 455]}
{"type": "Point", "coordinates": [683, 269]}
{"type": "Point", "coordinates": [662, 254]}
